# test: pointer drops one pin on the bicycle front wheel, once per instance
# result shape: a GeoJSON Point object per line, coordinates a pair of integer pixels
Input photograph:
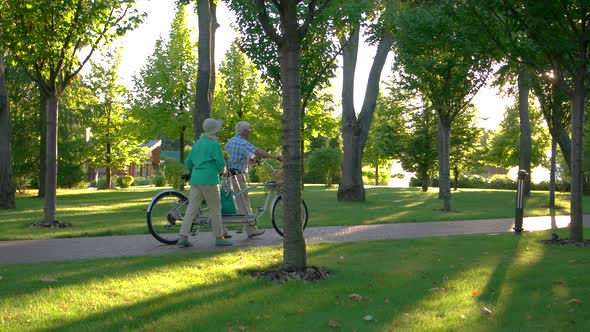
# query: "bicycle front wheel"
{"type": "Point", "coordinates": [278, 215]}
{"type": "Point", "coordinates": [164, 215]}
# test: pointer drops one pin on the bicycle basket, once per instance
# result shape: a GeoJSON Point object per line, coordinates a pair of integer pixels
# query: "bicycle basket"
{"type": "Point", "coordinates": [278, 177]}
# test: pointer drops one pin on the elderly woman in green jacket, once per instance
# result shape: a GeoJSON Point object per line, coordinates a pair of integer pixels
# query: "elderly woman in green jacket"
{"type": "Point", "coordinates": [206, 162]}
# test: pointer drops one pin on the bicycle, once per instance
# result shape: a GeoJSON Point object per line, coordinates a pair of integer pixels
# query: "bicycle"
{"type": "Point", "coordinates": [166, 210]}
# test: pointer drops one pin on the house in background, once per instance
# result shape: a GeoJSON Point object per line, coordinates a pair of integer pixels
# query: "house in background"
{"type": "Point", "coordinates": [149, 166]}
{"type": "Point", "coordinates": [146, 169]}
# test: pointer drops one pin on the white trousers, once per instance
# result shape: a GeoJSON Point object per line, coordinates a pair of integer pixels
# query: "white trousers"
{"type": "Point", "coordinates": [243, 206]}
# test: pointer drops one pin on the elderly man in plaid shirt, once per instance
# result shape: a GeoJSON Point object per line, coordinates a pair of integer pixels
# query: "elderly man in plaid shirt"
{"type": "Point", "coordinates": [240, 152]}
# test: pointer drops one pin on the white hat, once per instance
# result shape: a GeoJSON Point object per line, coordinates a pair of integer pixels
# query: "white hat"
{"type": "Point", "coordinates": [211, 126]}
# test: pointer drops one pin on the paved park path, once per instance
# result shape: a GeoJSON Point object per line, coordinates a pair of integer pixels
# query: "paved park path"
{"type": "Point", "coordinates": [53, 250]}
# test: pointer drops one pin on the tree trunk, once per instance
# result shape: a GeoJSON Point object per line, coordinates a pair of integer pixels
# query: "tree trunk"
{"type": "Point", "coordinates": [552, 174]}
{"type": "Point", "coordinates": [455, 179]}
{"type": "Point", "coordinates": [51, 160]}
{"type": "Point", "coordinates": [355, 132]}
{"type": "Point", "coordinates": [565, 146]}
{"type": "Point", "coordinates": [439, 140]}
{"type": "Point", "coordinates": [7, 189]}
{"type": "Point", "coordinates": [351, 186]}
{"type": "Point", "coordinates": [577, 176]}
{"type": "Point", "coordinates": [108, 169]}
{"type": "Point", "coordinates": [181, 146]}
{"type": "Point", "coordinates": [203, 93]}
{"type": "Point", "coordinates": [43, 105]}
{"type": "Point", "coordinates": [444, 181]}
{"type": "Point", "coordinates": [213, 26]}
{"type": "Point", "coordinates": [294, 251]}
{"type": "Point", "coordinates": [425, 179]}
{"type": "Point", "coordinates": [524, 86]}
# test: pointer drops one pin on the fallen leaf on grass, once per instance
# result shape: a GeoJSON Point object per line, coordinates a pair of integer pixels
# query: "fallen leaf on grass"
{"type": "Point", "coordinates": [334, 323]}
{"type": "Point", "coordinates": [129, 318]}
{"type": "Point", "coordinates": [486, 311]}
{"type": "Point", "coordinates": [355, 297]}
{"type": "Point", "coordinates": [368, 318]}
{"type": "Point", "coordinates": [263, 316]}
{"type": "Point", "coordinates": [47, 279]}
{"type": "Point", "coordinates": [574, 301]}
{"type": "Point", "coordinates": [474, 292]}
{"type": "Point", "coordinates": [434, 289]}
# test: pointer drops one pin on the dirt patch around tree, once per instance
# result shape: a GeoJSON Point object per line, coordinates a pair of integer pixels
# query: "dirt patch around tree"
{"type": "Point", "coordinates": [556, 241]}
{"type": "Point", "coordinates": [280, 275]}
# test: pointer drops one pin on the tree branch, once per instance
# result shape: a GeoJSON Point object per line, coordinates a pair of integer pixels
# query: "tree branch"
{"type": "Point", "coordinates": [265, 21]}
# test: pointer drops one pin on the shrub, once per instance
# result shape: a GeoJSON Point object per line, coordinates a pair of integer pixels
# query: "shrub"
{"type": "Point", "coordinates": [70, 176]}
{"type": "Point", "coordinates": [543, 185]}
{"type": "Point", "coordinates": [324, 163]}
{"type": "Point", "coordinates": [159, 180]}
{"type": "Point", "coordinates": [82, 185]}
{"type": "Point", "coordinates": [102, 183]}
{"type": "Point", "coordinates": [473, 181]}
{"type": "Point", "coordinates": [125, 181]}
{"type": "Point", "coordinates": [21, 183]}
{"type": "Point", "coordinates": [173, 170]}
{"type": "Point", "coordinates": [502, 182]}
{"type": "Point", "coordinates": [141, 181]}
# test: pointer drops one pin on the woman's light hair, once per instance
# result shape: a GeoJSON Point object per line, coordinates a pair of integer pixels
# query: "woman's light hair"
{"type": "Point", "coordinates": [241, 126]}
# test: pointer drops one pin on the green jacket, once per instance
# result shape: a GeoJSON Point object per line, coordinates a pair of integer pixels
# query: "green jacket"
{"type": "Point", "coordinates": [205, 161]}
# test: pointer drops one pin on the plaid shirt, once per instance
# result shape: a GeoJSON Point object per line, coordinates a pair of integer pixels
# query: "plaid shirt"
{"type": "Point", "coordinates": [240, 151]}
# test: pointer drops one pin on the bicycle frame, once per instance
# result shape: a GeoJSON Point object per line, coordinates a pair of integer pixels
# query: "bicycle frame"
{"type": "Point", "coordinates": [166, 210]}
{"type": "Point", "coordinates": [251, 219]}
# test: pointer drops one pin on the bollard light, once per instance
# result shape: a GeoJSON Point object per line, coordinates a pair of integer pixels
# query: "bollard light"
{"type": "Point", "coordinates": [522, 174]}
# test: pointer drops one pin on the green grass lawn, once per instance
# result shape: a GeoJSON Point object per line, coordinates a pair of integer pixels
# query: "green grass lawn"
{"type": "Point", "coordinates": [433, 284]}
{"type": "Point", "coordinates": [118, 212]}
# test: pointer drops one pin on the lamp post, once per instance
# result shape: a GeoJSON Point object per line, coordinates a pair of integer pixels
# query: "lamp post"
{"type": "Point", "coordinates": [522, 174]}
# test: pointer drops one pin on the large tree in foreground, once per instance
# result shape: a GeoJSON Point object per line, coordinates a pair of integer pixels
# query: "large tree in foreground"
{"type": "Point", "coordinates": [7, 190]}
{"type": "Point", "coordinates": [52, 41]}
{"type": "Point", "coordinates": [282, 26]}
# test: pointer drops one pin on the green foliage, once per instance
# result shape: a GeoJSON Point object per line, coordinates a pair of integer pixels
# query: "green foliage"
{"type": "Point", "coordinates": [165, 87]}
{"type": "Point", "coordinates": [504, 144]}
{"type": "Point", "coordinates": [23, 96]}
{"type": "Point", "coordinates": [141, 181]}
{"type": "Point", "coordinates": [125, 181]}
{"type": "Point", "coordinates": [173, 170]}
{"type": "Point", "coordinates": [52, 40]}
{"type": "Point", "coordinates": [318, 49]}
{"type": "Point", "coordinates": [466, 149]}
{"type": "Point", "coordinates": [159, 180]}
{"type": "Point", "coordinates": [388, 134]}
{"type": "Point", "coordinates": [325, 164]}
{"type": "Point", "coordinates": [115, 132]}
{"type": "Point", "coordinates": [369, 176]}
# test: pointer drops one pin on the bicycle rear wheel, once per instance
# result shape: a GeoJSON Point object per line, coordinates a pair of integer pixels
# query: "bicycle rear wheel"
{"type": "Point", "coordinates": [164, 215]}
{"type": "Point", "coordinates": [278, 213]}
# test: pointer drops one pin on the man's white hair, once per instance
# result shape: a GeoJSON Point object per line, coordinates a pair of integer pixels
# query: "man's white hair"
{"type": "Point", "coordinates": [241, 126]}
